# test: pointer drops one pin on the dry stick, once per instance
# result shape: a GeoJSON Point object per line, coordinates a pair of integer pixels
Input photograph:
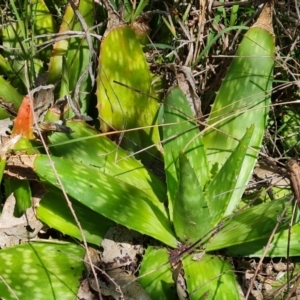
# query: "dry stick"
{"type": "Point", "coordinates": [291, 73]}
{"type": "Point", "coordinates": [69, 203]}
{"type": "Point", "coordinates": [293, 46]}
{"type": "Point", "coordinates": [217, 4]}
{"type": "Point", "coordinates": [284, 29]}
{"type": "Point", "coordinates": [78, 84]}
{"type": "Point", "coordinates": [118, 288]}
{"type": "Point", "coordinates": [297, 10]}
{"type": "Point", "coordinates": [257, 13]}
{"type": "Point", "coordinates": [294, 289]}
{"type": "Point", "coordinates": [288, 247]}
{"type": "Point", "coordinates": [279, 220]}
{"type": "Point", "coordinates": [169, 124]}
{"type": "Point", "coordinates": [124, 122]}
{"type": "Point", "coordinates": [144, 150]}
{"type": "Point", "coordinates": [69, 34]}
{"type": "Point", "coordinates": [134, 89]}
{"type": "Point", "coordinates": [198, 243]}
{"type": "Point", "coordinates": [196, 119]}
{"type": "Point", "coordinates": [152, 126]}
{"type": "Point", "coordinates": [201, 23]}
{"type": "Point", "coordinates": [280, 290]}
{"type": "Point", "coordinates": [294, 174]}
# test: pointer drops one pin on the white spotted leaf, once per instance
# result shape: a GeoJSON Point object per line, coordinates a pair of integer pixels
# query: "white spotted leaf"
{"type": "Point", "coordinates": [40, 271]}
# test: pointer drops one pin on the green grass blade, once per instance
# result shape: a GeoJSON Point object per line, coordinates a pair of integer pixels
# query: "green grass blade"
{"type": "Point", "coordinates": [142, 4]}
{"type": "Point", "coordinates": [211, 43]}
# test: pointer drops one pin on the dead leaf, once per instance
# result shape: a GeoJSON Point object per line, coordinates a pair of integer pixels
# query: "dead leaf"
{"type": "Point", "coordinates": [267, 171]}
{"type": "Point", "coordinates": [94, 255]}
{"type": "Point", "coordinates": [120, 247]}
{"type": "Point", "coordinates": [43, 99]}
{"type": "Point", "coordinates": [14, 231]}
{"type": "Point", "coordinates": [84, 291]}
{"type": "Point", "coordinates": [5, 126]}
{"type": "Point", "coordinates": [125, 287]}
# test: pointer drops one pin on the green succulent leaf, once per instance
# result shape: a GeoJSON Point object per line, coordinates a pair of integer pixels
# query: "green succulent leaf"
{"type": "Point", "coordinates": [242, 100]}
{"type": "Point", "coordinates": [9, 95]}
{"type": "Point", "coordinates": [223, 186]}
{"type": "Point", "coordinates": [191, 216]}
{"type": "Point", "coordinates": [211, 278]}
{"type": "Point", "coordinates": [278, 247]}
{"type": "Point", "coordinates": [108, 196]}
{"type": "Point", "coordinates": [124, 91]}
{"type": "Point", "coordinates": [252, 224]}
{"type": "Point", "coordinates": [99, 151]}
{"type": "Point", "coordinates": [2, 167]}
{"type": "Point", "coordinates": [54, 211]}
{"type": "Point", "coordinates": [41, 271]}
{"type": "Point", "coordinates": [22, 192]}
{"type": "Point", "coordinates": [181, 133]}
{"type": "Point", "coordinates": [156, 274]}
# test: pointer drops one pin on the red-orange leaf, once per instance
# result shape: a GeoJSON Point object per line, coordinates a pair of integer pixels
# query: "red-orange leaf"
{"type": "Point", "coordinates": [23, 123]}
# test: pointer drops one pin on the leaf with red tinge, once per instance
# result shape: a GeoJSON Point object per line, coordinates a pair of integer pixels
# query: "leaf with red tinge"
{"type": "Point", "coordinates": [23, 123]}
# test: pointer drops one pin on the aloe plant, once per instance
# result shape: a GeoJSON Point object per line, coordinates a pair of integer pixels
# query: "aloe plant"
{"type": "Point", "coordinates": [206, 172]}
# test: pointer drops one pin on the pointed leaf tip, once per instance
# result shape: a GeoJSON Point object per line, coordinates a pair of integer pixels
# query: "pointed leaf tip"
{"type": "Point", "coordinates": [23, 123]}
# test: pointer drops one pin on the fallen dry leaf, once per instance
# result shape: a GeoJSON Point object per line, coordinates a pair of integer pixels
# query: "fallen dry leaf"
{"type": "Point", "coordinates": [14, 231]}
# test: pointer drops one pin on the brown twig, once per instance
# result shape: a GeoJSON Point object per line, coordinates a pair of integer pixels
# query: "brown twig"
{"type": "Point", "coordinates": [294, 289]}
{"type": "Point", "coordinates": [294, 173]}
{"type": "Point", "coordinates": [279, 220]}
